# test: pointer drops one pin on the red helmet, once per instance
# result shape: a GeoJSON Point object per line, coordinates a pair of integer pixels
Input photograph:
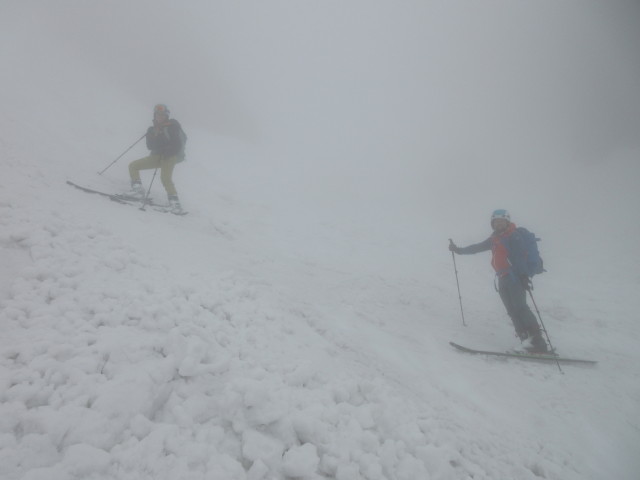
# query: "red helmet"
{"type": "Point", "coordinates": [161, 108]}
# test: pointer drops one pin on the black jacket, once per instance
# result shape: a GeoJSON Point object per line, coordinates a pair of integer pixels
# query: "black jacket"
{"type": "Point", "coordinates": [167, 141]}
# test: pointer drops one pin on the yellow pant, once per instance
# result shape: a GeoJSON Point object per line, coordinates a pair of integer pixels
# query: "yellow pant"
{"type": "Point", "coordinates": [165, 164]}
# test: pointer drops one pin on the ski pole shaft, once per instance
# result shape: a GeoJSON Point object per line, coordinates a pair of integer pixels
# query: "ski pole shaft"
{"type": "Point", "coordinates": [455, 269]}
{"type": "Point", "coordinates": [146, 197]}
{"type": "Point", "coordinates": [122, 155]}
{"type": "Point", "coordinates": [544, 329]}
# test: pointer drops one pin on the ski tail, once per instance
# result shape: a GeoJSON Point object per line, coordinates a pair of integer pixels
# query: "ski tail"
{"type": "Point", "coordinates": [118, 197]}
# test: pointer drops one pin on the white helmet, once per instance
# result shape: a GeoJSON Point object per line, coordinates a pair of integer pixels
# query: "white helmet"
{"type": "Point", "coordinates": [500, 214]}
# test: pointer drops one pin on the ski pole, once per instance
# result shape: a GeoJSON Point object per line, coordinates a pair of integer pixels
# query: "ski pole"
{"type": "Point", "coordinates": [122, 155]}
{"type": "Point", "coordinates": [544, 329]}
{"type": "Point", "coordinates": [455, 269]}
{"type": "Point", "coordinates": [144, 200]}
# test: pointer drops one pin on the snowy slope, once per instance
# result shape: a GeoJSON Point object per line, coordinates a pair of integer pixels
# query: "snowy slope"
{"type": "Point", "coordinates": [288, 327]}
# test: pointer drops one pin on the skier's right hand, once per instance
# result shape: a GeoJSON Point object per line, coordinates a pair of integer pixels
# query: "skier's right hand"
{"type": "Point", "coordinates": [453, 248]}
{"type": "Point", "coordinates": [526, 283]}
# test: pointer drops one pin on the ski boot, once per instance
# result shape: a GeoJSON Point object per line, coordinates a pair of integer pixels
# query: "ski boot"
{"type": "Point", "coordinates": [136, 193]}
{"type": "Point", "coordinates": [535, 343]}
{"type": "Point", "coordinates": [174, 205]}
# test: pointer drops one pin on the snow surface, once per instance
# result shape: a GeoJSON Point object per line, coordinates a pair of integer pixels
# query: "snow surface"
{"type": "Point", "coordinates": [291, 326]}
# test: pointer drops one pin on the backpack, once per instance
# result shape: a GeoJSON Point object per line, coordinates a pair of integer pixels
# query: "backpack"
{"type": "Point", "coordinates": [533, 260]}
{"type": "Point", "coordinates": [181, 136]}
{"type": "Point", "coordinates": [183, 142]}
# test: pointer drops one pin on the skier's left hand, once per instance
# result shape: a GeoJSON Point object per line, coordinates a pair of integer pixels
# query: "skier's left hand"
{"type": "Point", "coordinates": [525, 281]}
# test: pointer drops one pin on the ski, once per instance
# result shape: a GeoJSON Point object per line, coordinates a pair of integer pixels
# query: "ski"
{"type": "Point", "coordinates": [120, 198]}
{"type": "Point", "coordinates": [524, 356]}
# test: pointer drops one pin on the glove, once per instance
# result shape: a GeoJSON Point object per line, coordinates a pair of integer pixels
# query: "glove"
{"type": "Point", "coordinates": [525, 281]}
{"type": "Point", "coordinates": [453, 248]}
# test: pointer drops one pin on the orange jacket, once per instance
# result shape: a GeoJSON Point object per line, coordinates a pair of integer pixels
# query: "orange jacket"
{"type": "Point", "coordinates": [502, 262]}
{"type": "Point", "coordinates": [500, 259]}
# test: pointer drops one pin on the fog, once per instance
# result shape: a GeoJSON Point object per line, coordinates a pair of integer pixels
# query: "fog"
{"type": "Point", "coordinates": [333, 149]}
{"type": "Point", "coordinates": [441, 109]}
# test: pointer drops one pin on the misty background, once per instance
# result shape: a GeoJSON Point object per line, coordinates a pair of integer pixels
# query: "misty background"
{"type": "Point", "coordinates": [412, 117]}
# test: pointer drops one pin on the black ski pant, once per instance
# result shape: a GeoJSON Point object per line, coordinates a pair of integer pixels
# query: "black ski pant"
{"type": "Point", "coordinates": [514, 297]}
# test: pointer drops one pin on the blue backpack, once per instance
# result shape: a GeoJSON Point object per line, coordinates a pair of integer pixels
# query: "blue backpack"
{"type": "Point", "coordinates": [533, 260]}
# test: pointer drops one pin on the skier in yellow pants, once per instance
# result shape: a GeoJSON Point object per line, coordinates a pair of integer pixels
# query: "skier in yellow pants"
{"type": "Point", "coordinates": [165, 140]}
